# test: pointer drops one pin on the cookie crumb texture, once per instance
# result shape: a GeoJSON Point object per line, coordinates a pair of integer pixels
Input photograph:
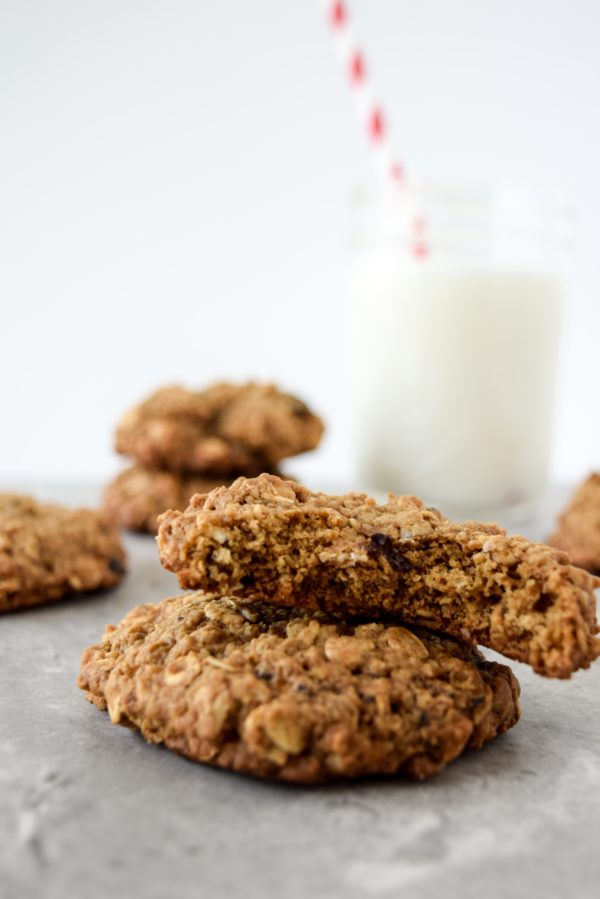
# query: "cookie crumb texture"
{"type": "Point", "coordinates": [578, 532]}
{"type": "Point", "coordinates": [48, 552]}
{"type": "Point", "coordinates": [273, 540]}
{"type": "Point", "coordinates": [224, 429]}
{"type": "Point", "coordinates": [298, 697]}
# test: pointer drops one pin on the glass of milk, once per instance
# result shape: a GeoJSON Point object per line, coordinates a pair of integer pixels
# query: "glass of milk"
{"type": "Point", "coordinates": [455, 301]}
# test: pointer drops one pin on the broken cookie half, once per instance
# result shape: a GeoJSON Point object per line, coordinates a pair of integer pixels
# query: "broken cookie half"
{"type": "Point", "coordinates": [275, 541]}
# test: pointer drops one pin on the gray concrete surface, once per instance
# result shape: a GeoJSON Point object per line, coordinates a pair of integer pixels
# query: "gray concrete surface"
{"type": "Point", "coordinates": [88, 810]}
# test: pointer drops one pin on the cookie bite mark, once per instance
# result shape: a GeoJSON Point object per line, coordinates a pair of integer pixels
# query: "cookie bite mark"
{"type": "Point", "coordinates": [296, 696]}
{"type": "Point", "coordinates": [273, 540]}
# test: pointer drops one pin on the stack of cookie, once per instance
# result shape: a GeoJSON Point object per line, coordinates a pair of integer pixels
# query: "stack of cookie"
{"type": "Point", "coordinates": [332, 637]}
{"type": "Point", "coordinates": [186, 442]}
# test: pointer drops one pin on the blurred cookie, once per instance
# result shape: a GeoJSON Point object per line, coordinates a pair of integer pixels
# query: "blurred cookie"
{"type": "Point", "coordinates": [223, 429]}
{"type": "Point", "coordinates": [137, 496]}
{"type": "Point", "coordinates": [578, 531]}
{"type": "Point", "coordinates": [284, 694]}
{"type": "Point", "coordinates": [48, 552]}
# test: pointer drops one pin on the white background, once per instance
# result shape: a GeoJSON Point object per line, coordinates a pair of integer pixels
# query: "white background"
{"type": "Point", "coordinates": [174, 177]}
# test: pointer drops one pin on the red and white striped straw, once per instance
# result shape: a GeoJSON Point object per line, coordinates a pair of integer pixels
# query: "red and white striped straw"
{"type": "Point", "coordinates": [370, 111]}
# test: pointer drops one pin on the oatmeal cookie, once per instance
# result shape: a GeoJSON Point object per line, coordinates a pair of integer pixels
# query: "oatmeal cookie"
{"type": "Point", "coordinates": [48, 552]}
{"type": "Point", "coordinates": [301, 697]}
{"type": "Point", "coordinates": [578, 532]}
{"type": "Point", "coordinates": [226, 428]}
{"type": "Point", "coordinates": [273, 540]}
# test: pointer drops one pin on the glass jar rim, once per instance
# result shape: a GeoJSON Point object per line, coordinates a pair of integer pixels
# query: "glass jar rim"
{"type": "Point", "coordinates": [460, 191]}
{"type": "Point", "coordinates": [473, 218]}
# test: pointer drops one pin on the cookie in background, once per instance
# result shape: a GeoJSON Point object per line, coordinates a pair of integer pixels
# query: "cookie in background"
{"type": "Point", "coordinates": [49, 552]}
{"type": "Point", "coordinates": [578, 531]}
{"type": "Point", "coordinates": [184, 442]}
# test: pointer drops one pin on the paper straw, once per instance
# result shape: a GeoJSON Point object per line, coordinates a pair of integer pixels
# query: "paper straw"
{"type": "Point", "coordinates": [370, 111]}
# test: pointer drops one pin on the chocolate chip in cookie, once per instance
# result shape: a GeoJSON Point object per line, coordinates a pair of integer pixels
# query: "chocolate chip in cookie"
{"type": "Point", "coordinates": [578, 532]}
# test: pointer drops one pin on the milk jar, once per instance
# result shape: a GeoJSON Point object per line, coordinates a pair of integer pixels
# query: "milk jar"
{"type": "Point", "coordinates": [455, 297]}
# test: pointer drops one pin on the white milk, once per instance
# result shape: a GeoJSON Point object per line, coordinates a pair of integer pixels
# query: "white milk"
{"type": "Point", "coordinates": [454, 370]}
